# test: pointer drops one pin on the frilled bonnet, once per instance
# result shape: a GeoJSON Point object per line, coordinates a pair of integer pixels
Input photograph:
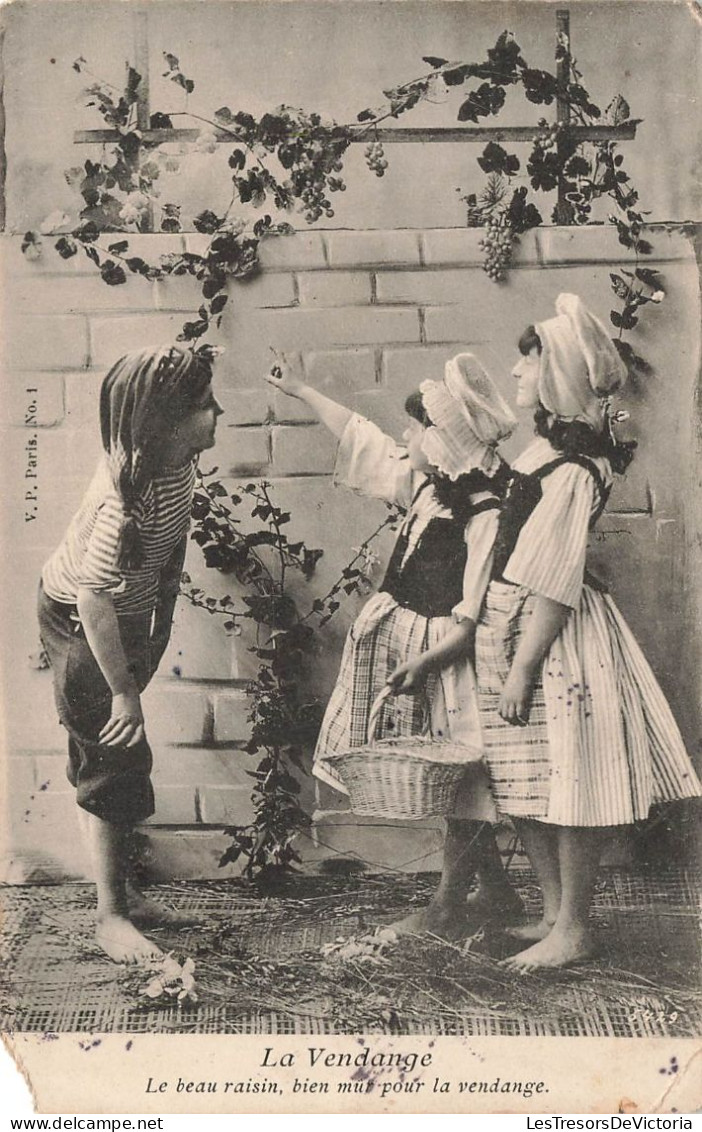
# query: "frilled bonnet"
{"type": "Point", "coordinates": [469, 419]}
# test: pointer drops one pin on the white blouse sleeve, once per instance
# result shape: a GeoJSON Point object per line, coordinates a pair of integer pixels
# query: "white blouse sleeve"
{"type": "Point", "coordinates": [371, 463]}
{"type": "Point", "coordinates": [480, 540]}
{"type": "Point", "coordinates": [549, 557]}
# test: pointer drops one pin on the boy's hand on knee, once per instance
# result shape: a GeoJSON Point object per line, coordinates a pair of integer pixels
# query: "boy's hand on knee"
{"type": "Point", "coordinates": [125, 727]}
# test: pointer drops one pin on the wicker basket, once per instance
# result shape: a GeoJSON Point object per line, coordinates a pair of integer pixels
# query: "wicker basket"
{"type": "Point", "coordinates": [407, 777]}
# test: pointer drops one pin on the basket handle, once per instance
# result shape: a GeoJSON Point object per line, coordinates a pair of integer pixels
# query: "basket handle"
{"type": "Point", "coordinates": [376, 709]}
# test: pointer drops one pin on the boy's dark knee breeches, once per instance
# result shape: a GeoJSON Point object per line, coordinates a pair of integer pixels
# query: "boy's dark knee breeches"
{"type": "Point", "coordinates": [111, 782]}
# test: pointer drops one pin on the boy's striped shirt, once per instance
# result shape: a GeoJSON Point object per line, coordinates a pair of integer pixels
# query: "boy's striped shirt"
{"type": "Point", "coordinates": [87, 556]}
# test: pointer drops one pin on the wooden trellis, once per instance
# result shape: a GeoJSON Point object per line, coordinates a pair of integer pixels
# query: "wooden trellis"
{"type": "Point", "coordinates": [392, 135]}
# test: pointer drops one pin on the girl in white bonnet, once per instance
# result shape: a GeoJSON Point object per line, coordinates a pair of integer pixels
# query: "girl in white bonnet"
{"type": "Point", "coordinates": [417, 633]}
{"type": "Point", "coordinates": [577, 734]}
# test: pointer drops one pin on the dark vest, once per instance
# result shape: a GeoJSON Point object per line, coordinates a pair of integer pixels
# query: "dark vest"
{"type": "Point", "coordinates": [523, 494]}
{"type": "Point", "coordinates": [430, 581]}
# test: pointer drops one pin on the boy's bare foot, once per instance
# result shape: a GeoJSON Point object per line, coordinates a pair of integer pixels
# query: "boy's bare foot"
{"type": "Point", "coordinates": [149, 913]}
{"type": "Point", "coordinates": [560, 948]}
{"type": "Point", "coordinates": [530, 933]}
{"type": "Point", "coordinates": [446, 921]}
{"type": "Point", "coordinates": [121, 941]}
{"type": "Point", "coordinates": [484, 905]}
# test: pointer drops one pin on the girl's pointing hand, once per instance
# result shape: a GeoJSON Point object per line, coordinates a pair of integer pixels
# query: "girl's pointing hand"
{"type": "Point", "coordinates": [282, 378]}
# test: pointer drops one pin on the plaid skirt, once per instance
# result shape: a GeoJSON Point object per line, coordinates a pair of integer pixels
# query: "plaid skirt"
{"type": "Point", "coordinates": [383, 636]}
{"type": "Point", "coordinates": [601, 745]}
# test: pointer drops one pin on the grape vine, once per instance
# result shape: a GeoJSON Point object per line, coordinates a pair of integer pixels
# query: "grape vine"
{"type": "Point", "coordinates": [284, 722]}
{"type": "Point", "coordinates": [293, 160]}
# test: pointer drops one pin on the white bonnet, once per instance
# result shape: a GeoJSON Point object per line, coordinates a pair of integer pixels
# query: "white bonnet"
{"type": "Point", "coordinates": [579, 363]}
{"type": "Point", "coordinates": [469, 419]}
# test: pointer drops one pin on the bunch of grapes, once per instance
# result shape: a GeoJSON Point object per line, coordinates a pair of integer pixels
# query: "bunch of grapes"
{"type": "Point", "coordinates": [550, 135]}
{"type": "Point", "coordinates": [548, 139]}
{"type": "Point", "coordinates": [313, 177]}
{"type": "Point", "coordinates": [310, 192]}
{"type": "Point", "coordinates": [497, 245]}
{"type": "Point", "coordinates": [375, 158]}
{"type": "Point", "coordinates": [309, 149]}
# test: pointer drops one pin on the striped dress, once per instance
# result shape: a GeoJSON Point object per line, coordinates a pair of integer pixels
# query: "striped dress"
{"type": "Point", "coordinates": [601, 745]}
{"type": "Point", "coordinates": [386, 634]}
{"type": "Point", "coordinates": [87, 556]}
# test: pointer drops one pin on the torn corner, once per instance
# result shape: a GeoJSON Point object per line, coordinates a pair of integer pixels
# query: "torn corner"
{"type": "Point", "coordinates": [10, 1045]}
{"type": "Point", "coordinates": [695, 8]}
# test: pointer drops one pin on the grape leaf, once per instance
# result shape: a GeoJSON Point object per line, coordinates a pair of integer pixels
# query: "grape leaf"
{"type": "Point", "coordinates": [66, 247]}
{"type": "Point", "coordinates": [112, 273]}
{"type": "Point", "coordinates": [649, 277]}
{"type": "Point", "coordinates": [133, 81]}
{"type": "Point", "coordinates": [159, 121]}
{"type": "Point", "coordinates": [619, 286]}
{"type": "Point", "coordinates": [495, 159]}
{"type": "Point", "coordinates": [218, 303]}
{"type": "Point", "coordinates": [539, 86]}
{"type": "Point", "coordinates": [207, 222]}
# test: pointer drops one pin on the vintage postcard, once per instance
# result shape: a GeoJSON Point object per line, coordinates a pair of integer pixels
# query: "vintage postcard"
{"type": "Point", "coordinates": [350, 653]}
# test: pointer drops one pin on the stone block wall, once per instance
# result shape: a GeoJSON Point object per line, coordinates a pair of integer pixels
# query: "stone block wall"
{"type": "Point", "coordinates": [365, 316]}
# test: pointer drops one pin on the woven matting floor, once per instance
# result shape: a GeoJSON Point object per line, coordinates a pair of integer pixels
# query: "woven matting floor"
{"type": "Point", "coordinates": [644, 981]}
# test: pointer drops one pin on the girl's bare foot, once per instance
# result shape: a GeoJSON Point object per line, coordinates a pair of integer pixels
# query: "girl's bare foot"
{"type": "Point", "coordinates": [486, 905]}
{"type": "Point", "coordinates": [121, 941]}
{"type": "Point", "coordinates": [446, 921]}
{"type": "Point", "coordinates": [452, 920]}
{"type": "Point", "coordinates": [560, 948]}
{"type": "Point", "coordinates": [531, 933]}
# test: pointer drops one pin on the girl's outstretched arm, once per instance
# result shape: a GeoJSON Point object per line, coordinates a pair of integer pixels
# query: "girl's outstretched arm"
{"type": "Point", "coordinates": [330, 413]}
{"type": "Point", "coordinates": [544, 625]}
{"type": "Point", "coordinates": [457, 643]}
{"type": "Point", "coordinates": [96, 610]}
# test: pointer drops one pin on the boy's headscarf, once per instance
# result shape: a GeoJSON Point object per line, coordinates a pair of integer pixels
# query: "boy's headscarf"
{"type": "Point", "coordinates": [143, 393]}
{"type": "Point", "coordinates": [579, 363]}
{"type": "Point", "coordinates": [469, 419]}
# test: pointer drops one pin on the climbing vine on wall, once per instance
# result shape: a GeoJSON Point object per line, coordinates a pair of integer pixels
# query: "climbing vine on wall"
{"type": "Point", "coordinates": [261, 558]}
{"type": "Point", "coordinates": [292, 161]}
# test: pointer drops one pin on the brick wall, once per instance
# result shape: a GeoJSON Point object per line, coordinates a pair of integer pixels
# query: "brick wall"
{"type": "Point", "coordinates": [366, 316]}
